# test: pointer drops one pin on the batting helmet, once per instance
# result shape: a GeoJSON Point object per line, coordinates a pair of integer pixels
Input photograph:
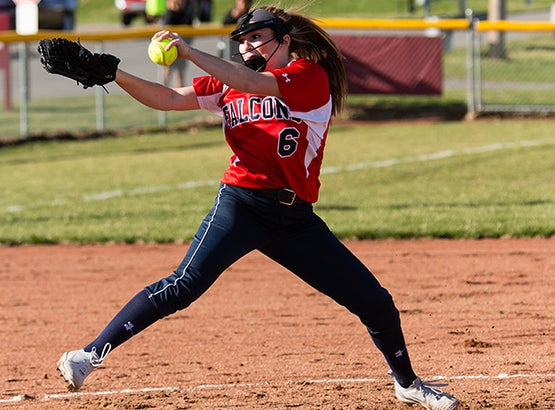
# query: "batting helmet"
{"type": "Point", "coordinates": [260, 18]}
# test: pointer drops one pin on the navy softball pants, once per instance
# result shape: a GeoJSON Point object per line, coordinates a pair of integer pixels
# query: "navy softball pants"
{"type": "Point", "coordinates": [294, 236]}
{"type": "Point", "coordinates": [243, 220]}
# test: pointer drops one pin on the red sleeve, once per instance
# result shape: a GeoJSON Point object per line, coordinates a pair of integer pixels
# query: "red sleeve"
{"type": "Point", "coordinates": [207, 85]}
{"type": "Point", "coordinates": [209, 92]}
{"type": "Point", "coordinates": [303, 85]}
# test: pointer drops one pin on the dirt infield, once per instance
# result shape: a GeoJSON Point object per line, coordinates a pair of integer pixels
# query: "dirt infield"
{"type": "Point", "coordinates": [481, 314]}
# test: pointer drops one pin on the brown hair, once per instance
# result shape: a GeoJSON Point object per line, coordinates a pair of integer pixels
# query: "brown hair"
{"type": "Point", "coordinates": [313, 43]}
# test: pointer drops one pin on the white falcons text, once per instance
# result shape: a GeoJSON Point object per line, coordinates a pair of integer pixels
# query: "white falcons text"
{"type": "Point", "coordinates": [239, 111]}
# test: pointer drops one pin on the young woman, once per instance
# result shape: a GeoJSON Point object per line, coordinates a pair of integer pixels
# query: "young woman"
{"type": "Point", "coordinates": [276, 109]}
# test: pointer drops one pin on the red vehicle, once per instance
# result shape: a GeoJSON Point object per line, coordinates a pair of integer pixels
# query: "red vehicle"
{"type": "Point", "coordinates": [53, 14]}
{"type": "Point", "coordinates": [130, 10]}
{"type": "Point", "coordinates": [57, 14]}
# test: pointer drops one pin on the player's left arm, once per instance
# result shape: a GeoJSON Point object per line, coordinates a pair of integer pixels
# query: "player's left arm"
{"type": "Point", "coordinates": [156, 95]}
{"type": "Point", "coordinates": [233, 74]}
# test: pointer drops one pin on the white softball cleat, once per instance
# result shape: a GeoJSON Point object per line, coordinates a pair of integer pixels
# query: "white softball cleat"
{"type": "Point", "coordinates": [427, 395]}
{"type": "Point", "coordinates": [76, 365]}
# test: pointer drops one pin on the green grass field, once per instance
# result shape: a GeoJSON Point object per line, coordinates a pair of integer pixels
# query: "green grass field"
{"type": "Point", "coordinates": [449, 180]}
{"type": "Point", "coordinates": [397, 180]}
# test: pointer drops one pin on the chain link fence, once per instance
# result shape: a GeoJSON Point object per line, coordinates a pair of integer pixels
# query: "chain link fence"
{"type": "Point", "coordinates": [499, 67]}
{"type": "Point", "coordinates": [512, 69]}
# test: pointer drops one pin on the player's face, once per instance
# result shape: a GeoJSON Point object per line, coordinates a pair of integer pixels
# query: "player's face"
{"type": "Point", "coordinates": [258, 42]}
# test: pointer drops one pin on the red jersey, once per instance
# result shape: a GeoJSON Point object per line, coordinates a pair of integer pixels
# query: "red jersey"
{"type": "Point", "coordinates": [276, 142]}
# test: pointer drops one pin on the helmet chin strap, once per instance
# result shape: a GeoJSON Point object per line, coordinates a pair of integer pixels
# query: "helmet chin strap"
{"type": "Point", "coordinates": [257, 63]}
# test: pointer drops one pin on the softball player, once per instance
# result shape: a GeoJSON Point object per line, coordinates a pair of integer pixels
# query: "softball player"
{"type": "Point", "coordinates": [276, 109]}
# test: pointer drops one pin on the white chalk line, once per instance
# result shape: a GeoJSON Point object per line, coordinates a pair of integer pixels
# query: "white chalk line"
{"type": "Point", "coordinates": [434, 156]}
{"type": "Point", "coordinates": [225, 386]}
{"type": "Point", "coordinates": [104, 196]}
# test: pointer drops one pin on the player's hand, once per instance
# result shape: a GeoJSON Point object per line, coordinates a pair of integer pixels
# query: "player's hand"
{"type": "Point", "coordinates": [183, 48]}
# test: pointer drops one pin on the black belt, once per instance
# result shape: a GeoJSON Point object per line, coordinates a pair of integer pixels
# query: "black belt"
{"type": "Point", "coordinates": [284, 196]}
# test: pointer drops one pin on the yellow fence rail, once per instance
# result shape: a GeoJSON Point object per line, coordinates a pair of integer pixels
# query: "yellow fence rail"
{"type": "Point", "coordinates": [335, 24]}
{"type": "Point", "coordinates": [503, 25]}
{"type": "Point", "coordinates": [401, 24]}
{"type": "Point", "coordinates": [117, 34]}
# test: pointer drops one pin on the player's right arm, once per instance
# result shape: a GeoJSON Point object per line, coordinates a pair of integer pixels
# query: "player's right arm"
{"type": "Point", "coordinates": [156, 95]}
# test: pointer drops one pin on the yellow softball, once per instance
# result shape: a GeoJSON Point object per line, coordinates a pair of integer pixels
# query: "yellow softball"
{"type": "Point", "coordinates": [158, 54]}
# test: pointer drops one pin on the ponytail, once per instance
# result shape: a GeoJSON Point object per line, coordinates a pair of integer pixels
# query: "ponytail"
{"type": "Point", "coordinates": [311, 42]}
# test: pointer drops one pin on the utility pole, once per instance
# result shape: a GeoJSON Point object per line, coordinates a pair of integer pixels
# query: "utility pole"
{"type": "Point", "coordinates": [462, 8]}
{"type": "Point", "coordinates": [497, 10]}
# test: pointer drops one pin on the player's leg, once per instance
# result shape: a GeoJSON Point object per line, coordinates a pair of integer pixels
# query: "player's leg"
{"type": "Point", "coordinates": [216, 245]}
{"type": "Point", "coordinates": [314, 254]}
{"type": "Point", "coordinates": [226, 234]}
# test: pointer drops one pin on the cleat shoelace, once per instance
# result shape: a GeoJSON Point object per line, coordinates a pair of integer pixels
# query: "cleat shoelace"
{"type": "Point", "coordinates": [97, 361]}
